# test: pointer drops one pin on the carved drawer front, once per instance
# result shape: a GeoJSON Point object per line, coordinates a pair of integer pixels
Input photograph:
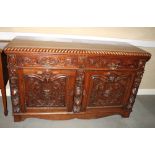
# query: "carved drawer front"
{"type": "Point", "coordinates": [107, 88]}
{"type": "Point", "coordinates": [112, 63]}
{"type": "Point", "coordinates": [46, 89]}
{"type": "Point", "coordinates": [74, 62]}
{"type": "Point", "coordinates": [47, 60]}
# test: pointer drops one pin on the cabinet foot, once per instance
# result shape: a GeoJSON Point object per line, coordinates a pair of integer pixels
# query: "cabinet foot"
{"type": "Point", "coordinates": [18, 118]}
{"type": "Point", "coordinates": [6, 113]}
{"type": "Point", "coordinates": [126, 114]}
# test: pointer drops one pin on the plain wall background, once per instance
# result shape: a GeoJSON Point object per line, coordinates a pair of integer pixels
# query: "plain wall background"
{"type": "Point", "coordinates": [138, 33]}
{"type": "Point", "coordinates": [134, 33]}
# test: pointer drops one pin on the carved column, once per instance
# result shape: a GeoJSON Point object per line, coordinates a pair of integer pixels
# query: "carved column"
{"type": "Point", "coordinates": [78, 91]}
{"type": "Point", "coordinates": [13, 83]}
{"type": "Point", "coordinates": [136, 84]}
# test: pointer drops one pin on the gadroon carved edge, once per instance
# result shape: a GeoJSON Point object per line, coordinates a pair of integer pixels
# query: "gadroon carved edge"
{"type": "Point", "coordinates": [77, 51]}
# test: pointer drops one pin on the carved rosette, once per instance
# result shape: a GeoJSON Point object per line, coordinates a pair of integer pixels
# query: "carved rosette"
{"type": "Point", "coordinates": [13, 83]}
{"type": "Point", "coordinates": [78, 91]}
{"type": "Point", "coordinates": [141, 64]}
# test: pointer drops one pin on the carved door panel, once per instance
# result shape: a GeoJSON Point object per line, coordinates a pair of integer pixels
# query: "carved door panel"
{"type": "Point", "coordinates": [107, 88]}
{"type": "Point", "coordinates": [46, 90]}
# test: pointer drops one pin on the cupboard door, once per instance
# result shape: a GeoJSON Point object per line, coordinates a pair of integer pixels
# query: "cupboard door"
{"type": "Point", "coordinates": [107, 88]}
{"type": "Point", "coordinates": [46, 90]}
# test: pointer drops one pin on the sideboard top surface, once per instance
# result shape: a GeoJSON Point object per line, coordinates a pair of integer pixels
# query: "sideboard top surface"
{"type": "Point", "coordinates": [36, 44]}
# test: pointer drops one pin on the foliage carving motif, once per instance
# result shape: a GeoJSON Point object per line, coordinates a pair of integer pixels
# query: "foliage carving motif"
{"type": "Point", "coordinates": [45, 90]}
{"type": "Point", "coordinates": [13, 83]}
{"type": "Point", "coordinates": [108, 89]}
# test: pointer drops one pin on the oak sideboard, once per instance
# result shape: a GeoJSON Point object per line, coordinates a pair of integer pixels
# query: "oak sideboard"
{"type": "Point", "coordinates": [61, 80]}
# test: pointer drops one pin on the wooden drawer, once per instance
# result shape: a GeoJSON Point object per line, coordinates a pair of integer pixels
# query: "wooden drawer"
{"type": "Point", "coordinates": [113, 63]}
{"type": "Point", "coordinates": [72, 61]}
{"type": "Point", "coordinates": [53, 61]}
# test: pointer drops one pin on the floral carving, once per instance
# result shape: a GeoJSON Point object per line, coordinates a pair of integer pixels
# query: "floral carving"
{"type": "Point", "coordinates": [78, 91]}
{"type": "Point", "coordinates": [108, 89]}
{"type": "Point", "coordinates": [81, 62]}
{"type": "Point", "coordinates": [13, 83]}
{"type": "Point", "coordinates": [135, 87]}
{"type": "Point", "coordinates": [142, 63]}
{"type": "Point", "coordinates": [26, 61]}
{"type": "Point", "coordinates": [47, 61]}
{"type": "Point", "coordinates": [45, 89]}
{"type": "Point", "coordinates": [112, 64]}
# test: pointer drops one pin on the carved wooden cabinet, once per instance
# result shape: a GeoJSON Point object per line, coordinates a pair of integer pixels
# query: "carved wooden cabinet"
{"type": "Point", "coordinates": [64, 80]}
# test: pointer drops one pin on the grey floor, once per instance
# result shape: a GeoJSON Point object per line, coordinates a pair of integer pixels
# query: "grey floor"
{"type": "Point", "coordinates": [143, 116]}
